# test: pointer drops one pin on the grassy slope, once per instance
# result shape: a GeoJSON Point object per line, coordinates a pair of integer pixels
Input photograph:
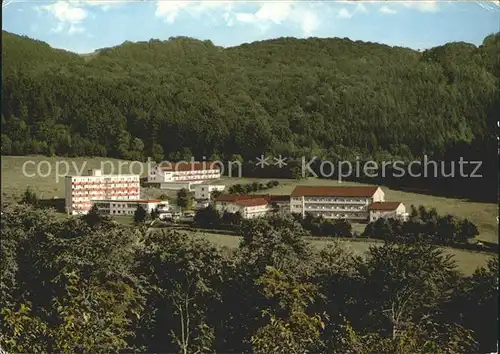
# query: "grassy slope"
{"type": "Point", "coordinates": [13, 181]}
{"type": "Point", "coordinates": [467, 261]}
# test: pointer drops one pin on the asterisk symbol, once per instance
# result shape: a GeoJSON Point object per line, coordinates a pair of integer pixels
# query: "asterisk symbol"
{"type": "Point", "coordinates": [262, 161]}
{"type": "Point", "coordinates": [280, 161]}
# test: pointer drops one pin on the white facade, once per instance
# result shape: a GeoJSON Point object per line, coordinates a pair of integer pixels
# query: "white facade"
{"type": "Point", "coordinates": [193, 172]}
{"type": "Point", "coordinates": [204, 191]}
{"type": "Point", "coordinates": [393, 212]}
{"type": "Point", "coordinates": [82, 190]}
{"type": "Point", "coordinates": [351, 203]}
{"type": "Point", "coordinates": [175, 186]}
{"type": "Point", "coordinates": [249, 209]}
{"type": "Point", "coordinates": [124, 207]}
{"type": "Point", "coordinates": [202, 204]}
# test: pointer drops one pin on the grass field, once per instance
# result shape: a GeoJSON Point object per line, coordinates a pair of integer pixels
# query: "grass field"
{"type": "Point", "coordinates": [484, 215]}
{"type": "Point", "coordinates": [47, 184]}
{"type": "Point", "coordinates": [467, 261]}
{"type": "Point", "coordinates": [45, 175]}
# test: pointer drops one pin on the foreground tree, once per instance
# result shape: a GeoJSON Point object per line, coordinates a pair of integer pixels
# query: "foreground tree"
{"type": "Point", "coordinates": [288, 328]}
{"type": "Point", "coordinates": [185, 276]}
{"type": "Point", "coordinates": [184, 199]}
{"type": "Point", "coordinates": [29, 197]}
{"type": "Point", "coordinates": [140, 215]}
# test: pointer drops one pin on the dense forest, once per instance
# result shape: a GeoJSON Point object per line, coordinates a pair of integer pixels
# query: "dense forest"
{"type": "Point", "coordinates": [301, 97]}
{"type": "Point", "coordinates": [88, 285]}
{"type": "Point", "coordinates": [336, 99]}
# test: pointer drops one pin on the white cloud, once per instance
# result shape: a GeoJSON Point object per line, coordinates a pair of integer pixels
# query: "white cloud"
{"type": "Point", "coordinates": [387, 10]}
{"type": "Point", "coordinates": [245, 17]}
{"type": "Point", "coordinates": [420, 5]}
{"type": "Point", "coordinates": [344, 13]}
{"type": "Point", "coordinates": [75, 29]}
{"type": "Point", "coordinates": [170, 9]}
{"type": "Point", "coordinates": [276, 12]}
{"type": "Point", "coordinates": [361, 8]}
{"type": "Point", "coordinates": [264, 15]}
{"type": "Point", "coordinates": [281, 12]}
{"type": "Point", "coordinates": [309, 23]}
{"type": "Point", "coordinates": [67, 14]}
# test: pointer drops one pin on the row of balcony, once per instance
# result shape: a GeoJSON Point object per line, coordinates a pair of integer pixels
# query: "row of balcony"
{"type": "Point", "coordinates": [199, 172]}
{"type": "Point", "coordinates": [195, 177]}
{"type": "Point", "coordinates": [123, 197]}
{"type": "Point", "coordinates": [342, 216]}
{"type": "Point", "coordinates": [327, 208]}
{"type": "Point", "coordinates": [135, 181]}
{"type": "Point", "coordinates": [107, 185]}
{"type": "Point", "coordinates": [336, 201]}
{"type": "Point", "coordinates": [105, 196]}
{"type": "Point", "coordinates": [106, 189]}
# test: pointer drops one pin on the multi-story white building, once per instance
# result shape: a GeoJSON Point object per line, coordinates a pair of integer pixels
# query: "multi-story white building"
{"type": "Point", "coordinates": [388, 210]}
{"type": "Point", "coordinates": [204, 191]}
{"type": "Point", "coordinates": [183, 174]}
{"type": "Point", "coordinates": [249, 206]}
{"type": "Point", "coordinates": [333, 202]}
{"type": "Point", "coordinates": [125, 207]}
{"type": "Point", "coordinates": [82, 190]}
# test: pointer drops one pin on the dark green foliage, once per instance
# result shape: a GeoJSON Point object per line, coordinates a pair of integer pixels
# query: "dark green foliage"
{"type": "Point", "coordinates": [207, 217]}
{"type": "Point", "coordinates": [68, 287]}
{"type": "Point", "coordinates": [154, 214]}
{"type": "Point", "coordinates": [480, 293]}
{"type": "Point", "coordinates": [251, 187]}
{"type": "Point", "coordinates": [423, 225]}
{"type": "Point", "coordinates": [319, 226]}
{"type": "Point", "coordinates": [140, 215]}
{"type": "Point", "coordinates": [184, 199]}
{"type": "Point", "coordinates": [29, 197]}
{"type": "Point", "coordinates": [317, 97]}
{"type": "Point", "coordinates": [94, 219]}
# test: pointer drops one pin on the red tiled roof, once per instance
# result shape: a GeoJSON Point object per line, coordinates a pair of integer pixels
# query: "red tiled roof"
{"type": "Point", "coordinates": [384, 206]}
{"type": "Point", "coordinates": [279, 198]}
{"type": "Point", "coordinates": [331, 191]}
{"type": "Point", "coordinates": [252, 202]}
{"type": "Point", "coordinates": [189, 166]}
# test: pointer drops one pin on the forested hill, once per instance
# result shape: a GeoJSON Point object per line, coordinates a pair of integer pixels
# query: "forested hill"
{"type": "Point", "coordinates": [334, 98]}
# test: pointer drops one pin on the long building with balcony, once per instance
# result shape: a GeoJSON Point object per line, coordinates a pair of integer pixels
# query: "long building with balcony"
{"type": "Point", "coordinates": [81, 191]}
{"type": "Point", "coordinates": [333, 202]}
{"type": "Point", "coordinates": [126, 207]}
{"type": "Point", "coordinates": [183, 174]}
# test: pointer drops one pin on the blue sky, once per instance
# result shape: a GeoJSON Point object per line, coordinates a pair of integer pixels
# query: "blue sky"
{"type": "Point", "coordinates": [83, 26]}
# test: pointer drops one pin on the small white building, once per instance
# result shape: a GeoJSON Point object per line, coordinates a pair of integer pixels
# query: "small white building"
{"type": "Point", "coordinates": [183, 174]}
{"type": "Point", "coordinates": [202, 204]}
{"type": "Point", "coordinates": [247, 205]}
{"type": "Point", "coordinates": [125, 207]}
{"type": "Point", "coordinates": [388, 210]}
{"type": "Point", "coordinates": [204, 191]}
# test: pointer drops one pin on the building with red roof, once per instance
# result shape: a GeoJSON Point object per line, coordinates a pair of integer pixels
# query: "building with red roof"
{"type": "Point", "coordinates": [387, 210]}
{"type": "Point", "coordinates": [183, 174]}
{"type": "Point", "coordinates": [249, 206]}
